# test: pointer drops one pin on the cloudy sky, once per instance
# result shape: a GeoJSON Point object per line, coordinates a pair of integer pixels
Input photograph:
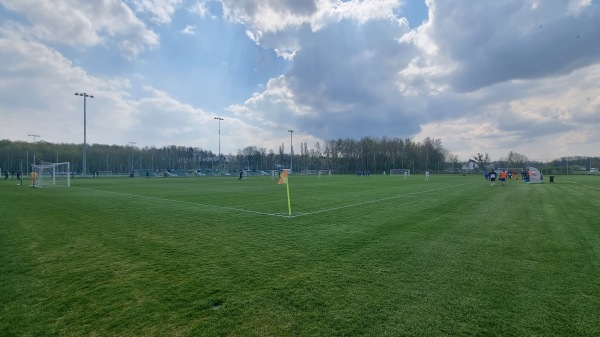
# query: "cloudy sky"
{"type": "Point", "coordinates": [483, 76]}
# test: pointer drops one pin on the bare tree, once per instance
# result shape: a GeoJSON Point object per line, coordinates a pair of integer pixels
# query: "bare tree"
{"type": "Point", "coordinates": [517, 158]}
{"type": "Point", "coordinates": [481, 160]}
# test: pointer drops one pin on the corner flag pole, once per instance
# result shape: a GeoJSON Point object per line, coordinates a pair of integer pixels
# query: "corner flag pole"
{"type": "Point", "coordinates": [284, 180]}
{"type": "Point", "coordinates": [287, 186]}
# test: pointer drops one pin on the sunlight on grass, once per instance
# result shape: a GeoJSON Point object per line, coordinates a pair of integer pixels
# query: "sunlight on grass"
{"type": "Point", "coordinates": [375, 256]}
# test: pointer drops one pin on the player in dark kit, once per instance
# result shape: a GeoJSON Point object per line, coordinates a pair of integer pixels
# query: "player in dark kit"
{"type": "Point", "coordinates": [493, 177]}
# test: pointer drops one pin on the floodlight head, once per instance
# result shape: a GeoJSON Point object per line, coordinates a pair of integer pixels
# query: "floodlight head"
{"type": "Point", "coordinates": [90, 96]}
{"type": "Point", "coordinates": [76, 94]}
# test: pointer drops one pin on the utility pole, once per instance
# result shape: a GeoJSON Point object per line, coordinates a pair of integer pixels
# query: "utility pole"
{"type": "Point", "coordinates": [34, 137]}
{"type": "Point", "coordinates": [85, 96]}
{"type": "Point", "coordinates": [132, 144]}
{"type": "Point", "coordinates": [219, 119]}
{"type": "Point", "coordinates": [291, 151]}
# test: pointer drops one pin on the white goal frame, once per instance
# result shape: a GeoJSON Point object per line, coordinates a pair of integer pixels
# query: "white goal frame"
{"type": "Point", "coordinates": [399, 172]}
{"type": "Point", "coordinates": [313, 171]}
{"type": "Point", "coordinates": [52, 175]}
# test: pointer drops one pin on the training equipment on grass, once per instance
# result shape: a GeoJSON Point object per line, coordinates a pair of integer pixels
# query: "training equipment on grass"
{"type": "Point", "coordinates": [533, 176]}
{"type": "Point", "coordinates": [52, 174]}
{"type": "Point", "coordinates": [399, 172]}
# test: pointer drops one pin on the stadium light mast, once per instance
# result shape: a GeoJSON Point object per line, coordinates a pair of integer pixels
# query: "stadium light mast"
{"type": "Point", "coordinates": [85, 96]}
{"type": "Point", "coordinates": [291, 151]}
{"type": "Point", "coordinates": [34, 137]}
{"type": "Point", "coordinates": [219, 119]}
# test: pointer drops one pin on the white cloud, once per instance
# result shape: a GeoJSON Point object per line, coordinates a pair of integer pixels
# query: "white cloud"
{"type": "Point", "coordinates": [275, 105]}
{"type": "Point", "coordinates": [277, 18]}
{"type": "Point", "coordinates": [161, 10]}
{"type": "Point", "coordinates": [41, 82]}
{"type": "Point", "coordinates": [190, 30]}
{"type": "Point", "coordinates": [471, 74]}
{"type": "Point", "coordinates": [492, 42]}
{"type": "Point", "coordinates": [41, 86]}
{"type": "Point", "coordinates": [82, 24]}
{"type": "Point", "coordinates": [575, 7]}
{"type": "Point", "coordinates": [274, 15]}
{"type": "Point", "coordinates": [200, 7]}
{"type": "Point", "coordinates": [483, 76]}
{"type": "Point", "coordinates": [543, 116]}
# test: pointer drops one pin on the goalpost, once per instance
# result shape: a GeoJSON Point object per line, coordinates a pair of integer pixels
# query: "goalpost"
{"type": "Point", "coordinates": [311, 171]}
{"type": "Point", "coordinates": [52, 174]}
{"type": "Point", "coordinates": [399, 172]}
{"type": "Point", "coordinates": [511, 170]}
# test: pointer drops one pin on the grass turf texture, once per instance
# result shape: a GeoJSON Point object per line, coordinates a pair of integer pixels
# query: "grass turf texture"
{"type": "Point", "coordinates": [360, 256]}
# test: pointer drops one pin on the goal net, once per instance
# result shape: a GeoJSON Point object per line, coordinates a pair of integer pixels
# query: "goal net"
{"type": "Point", "coordinates": [399, 172]}
{"type": "Point", "coordinates": [313, 171]}
{"type": "Point", "coordinates": [52, 175]}
{"type": "Point", "coordinates": [512, 172]}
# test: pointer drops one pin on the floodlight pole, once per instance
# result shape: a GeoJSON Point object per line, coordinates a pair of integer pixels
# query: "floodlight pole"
{"type": "Point", "coordinates": [219, 119]}
{"type": "Point", "coordinates": [34, 137]}
{"type": "Point", "coordinates": [291, 151]}
{"type": "Point", "coordinates": [85, 96]}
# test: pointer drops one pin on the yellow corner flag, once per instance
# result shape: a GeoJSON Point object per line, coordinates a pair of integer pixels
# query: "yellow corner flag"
{"type": "Point", "coordinates": [284, 180]}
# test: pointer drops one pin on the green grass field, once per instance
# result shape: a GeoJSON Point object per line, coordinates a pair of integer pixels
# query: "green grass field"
{"type": "Point", "coordinates": [369, 256]}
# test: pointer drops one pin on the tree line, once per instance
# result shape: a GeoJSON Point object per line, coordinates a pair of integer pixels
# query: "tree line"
{"type": "Point", "coordinates": [374, 154]}
{"type": "Point", "coordinates": [342, 155]}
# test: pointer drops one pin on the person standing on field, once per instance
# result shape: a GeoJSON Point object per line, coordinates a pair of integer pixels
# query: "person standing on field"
{"type": "Point", "coordinates": [493, 177]}
{"type": "Point", "coordinates": [33, 176]}
{"type": "Point", "coordinates": [426, 175]}
{"type": "Point", "coordinates": [503, 177]}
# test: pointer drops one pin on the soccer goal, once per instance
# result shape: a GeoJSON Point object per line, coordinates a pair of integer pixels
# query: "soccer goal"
{"type": "Point", "coordinates": [509, 169]}
{"type": "Point", "coordinates": [52, 175]}
{"type": "Point", "coordinates": [513, 172]}
{"type": "Point", "coordinates": [399, 172]}
{"type": "Point", "coordinates": [311, 171]}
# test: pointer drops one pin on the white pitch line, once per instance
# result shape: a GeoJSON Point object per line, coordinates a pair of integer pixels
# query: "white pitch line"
{"type": "Point", "coordinates": [186, 202]}
{"type": "Point", "coordinates": [378, 200]}
{"type": "Point", "coordinates": [275, 214]}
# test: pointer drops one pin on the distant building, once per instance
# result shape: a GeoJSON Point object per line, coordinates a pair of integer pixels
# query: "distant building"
{"type": "Point", "coordinates": [470, 166]}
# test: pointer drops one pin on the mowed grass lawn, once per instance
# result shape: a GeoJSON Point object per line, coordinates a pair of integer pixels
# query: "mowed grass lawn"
{"type": "Point", "coordinates": [368, 256]}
